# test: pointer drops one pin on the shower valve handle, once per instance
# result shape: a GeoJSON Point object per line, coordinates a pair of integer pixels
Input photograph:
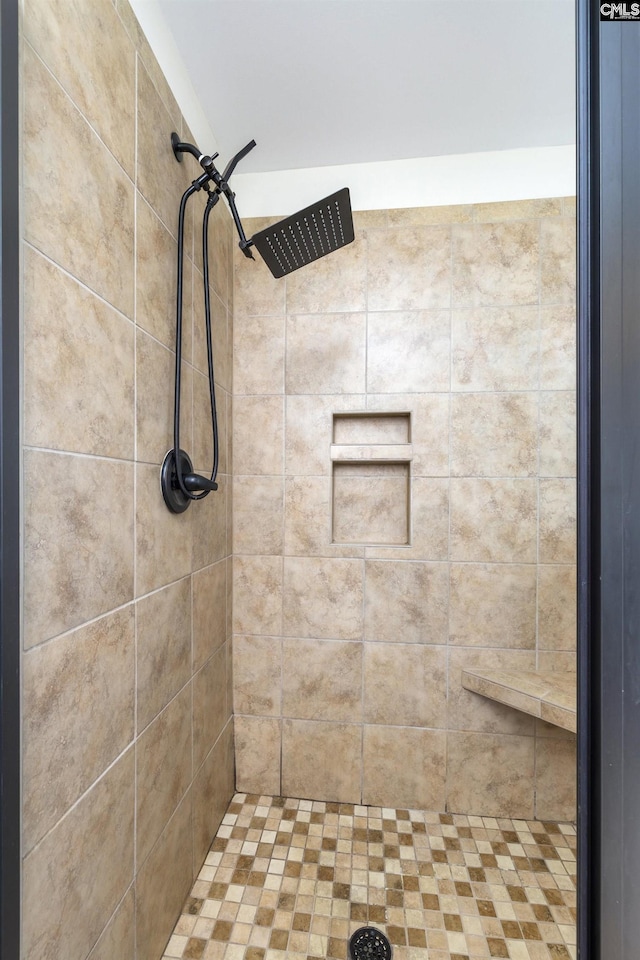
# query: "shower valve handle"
{"type": "Point", "coordinates": [197, 484]}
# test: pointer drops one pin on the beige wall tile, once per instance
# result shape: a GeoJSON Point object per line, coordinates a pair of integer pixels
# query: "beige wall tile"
{"type": "Point", "coordinates": [331, 284]}
{"type": "Point", "coordinates": [219, 334]}
{"type": "Point", "coordinates": [472, 712]}
{"type": "Point", "coordinates": [221, 231]}
{"type": "Point", "coordinates": [429, 524]}
{"type": "Point", "coordinates": [258, 435]}
{"type": "Point", "coordinates": [118, 939]}
{"type": "Point", "coordinates": [309, 431]}
{"type": "Point", "coordinates": [212, 790]}
{"type": "Point", "coordinates": [326, 353]}
{"type": "Point", "coordinates": [163, 770]}
{"type": "Point", "coordinates": [163, 882]}
{"type": "Point", "coordinates": [160, 179]}
{"type": "Point", "coordinates": [371, 503]}
{"type": "Point", "coordinates": [210, 708]}
{"type": "Point", "coordinates": [405, 684]}
{"type": "Point", "coordinates": [517, 210]}
{"type": "Point", "coordinates": [257, 755]}
{"type": "Point", "coordinates": [409, 268]}
{"type": "Point", "coordinates": [426, 216]}
{"type": "Point", "coordinates": [557, 521]}
{"type": "Point", "coordinates": [163, 539]}
{"type": "Point", "coordinates": [209, 611]}
{"type": "Point", "coordinates": [493, 605]}
{"type": "Point", "coordinates": [258, 354]}
{"type": "Point", "coordinates": [78, 562]}
{"type": "Point", "coordinates": [322, 680]}
{"type": "Point", "coordinates": [257, 595]}
{"type": "Point", "coordinates": [404, 767]}
{"type": "Point", "coordinates": [406, 602]}
{"type": "Point", "coordinates": [321, 760]}
{"type": "Point", "coordinates": [307, 520]}
{"type": "Point", "coordinates": [202, 450]}
{"type": "Point", "coordinates": [322, 598]}
{"type": "Point", "coordinates": [155, 370]}
{"type": "Point", "coordinates": [558, 347]}
{"type": "Point", "coordinates": [78, 693]}
{"type": "Point", "coordinates": [87, 859]}
{"type": "Point", "coordinates": [156, 252]}
{"type": "Point", "coordinates": [256, 293]}
{"type": "Point", "coordinates": [495, 264]}
{"type": "Point", "coordinates": [557, 607]}
{"type": "Point", "coordinates": [211, 526]}
{"type": "Point", "coordinates": [78, 366]}
{"type": "Point", "coordinates": [494, 348]}
{"type": "Point", "coordinates": [163, 625]}
{"type": "Point", "coordinates": [558, 434]}
{"type": "Point", "coordinates": [493, 520]}
{"type": "Point", "coordinates": [258, 515]}
{"type": "Point", "coordinates": [257, 675]}
{"type": "Point", "coordinates": [490, 775]}
{"type": "Point", "coordinates": [494, 435]}
{"type": "Point", "coordinates": [409, 351]}
{"type": "Point", "coordinates": [84, 218]}
{"type": "Point", "coordinates": [134, 30]}
{"type": "Point", "coordinates": [555, 790]}
{"type": "Point", "coordinates": [558, 260]}
{"type": "Point", "coordinates": [99, 78]}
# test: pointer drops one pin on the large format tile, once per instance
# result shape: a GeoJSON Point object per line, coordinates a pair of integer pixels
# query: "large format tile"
{"type": "Point", "coordinates": [99, 77]}
{"type": "Point", "coordinates": [118, 938]}
{"type": "Point", "coordinates": [555, 791]}
{"type": "Point", "coordinates": [558, 347]}
{"type": "Point", "coordinates": [557, 521]}
{"type": "Point", "coordinates": [258, 354]}
{"type": "Point", "coordinates": [331, 284]}
{"type": "Point", "coordinates": [490, 775]}
{"type": "Point", "coordinates": [494, 348]}
{"type": "Point", "coordinates": [429, 413]}
{"type": "Point", "coordinates": [493, 605]}
{"type": "Point", "coordinates": [322, 598]}
{"type": "Point", "coordinates": [163, 538]}
{"type": "Point", "coordinates": [493, 520]}
{"type": "Point", "coordinates": [163, 624]}
{"type": "Point", "coordinates": [257, 675]}
{"type": "Point", "coordinates": [258, 435]}
{"type": "Point", "coordinates": [210, 708]}
{"type": "Point", "coordinates": [417, 782]}
{"type": "Point", "coordinates": [84, 218]}
{"type": "Point", "coordinates": [78, 561]}
{"type": "Point", "coordinates": [495, 264]}
{"type": "Point", "coordinates": [406, 602]}
{"type": "Point", "coordinates": [322, 680]}
{"type": "Point", "coordinates": [321, 759]}
{"type": "Point", "coordinates": [557, 606]}
{"type": "Point", "coordinates": [78, 696]}
{"type": "Point", "coordinates": [405, 684]}
{"type": "Point", "coordinates": [162, 883]}
{"type": "Point", "coordinates": [558, 440]}
{"type": "Point", "coordinates": [558, 260]}
{"type": "Point", "coordinates": [212, 790]}
{"type": "Point", "coordinates": [258, 504]}
{"type": "Point", "coordinates": [408, 351]}
{"type": "Point", "coordinates": [326, 353]}
{"type": "Point", "coordinates": [163, 770]}
{"type": "Point", "coordinates": [258, 751]}
{"type": "Point", "coordinates": [409, 268]}
{"type": "Point", "coordinates": [494, 435]}
{"type": "Point", "coordinates": [81, 870]}
{"type": "Point", "coordinates": [78, 366]}
{"type": "Point", "coordinates": [257, 595]}
{"type": "Point", "coordinates": [307, 520]}
{"type": "Point", "coordinates": [309, 431]}
{"type": "Point", "coordinates": [209, 587]}
{"type": "Point", "coordinates": [156, 252]}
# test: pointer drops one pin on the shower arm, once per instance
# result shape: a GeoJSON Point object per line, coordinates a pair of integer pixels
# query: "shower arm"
{"type": "Point", "coordinates": [221, 180]}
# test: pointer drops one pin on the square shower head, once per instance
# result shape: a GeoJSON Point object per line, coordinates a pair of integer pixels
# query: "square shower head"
{"type": "Point", "coordinates": [306, 236]}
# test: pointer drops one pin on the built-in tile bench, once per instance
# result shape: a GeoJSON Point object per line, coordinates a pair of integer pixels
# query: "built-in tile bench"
{"type": "Point", "coordinates": [547, 695]}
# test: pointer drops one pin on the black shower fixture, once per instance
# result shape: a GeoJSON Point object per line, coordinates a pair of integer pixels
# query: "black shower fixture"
{"type": "Point", "coordinates": [286, 246]}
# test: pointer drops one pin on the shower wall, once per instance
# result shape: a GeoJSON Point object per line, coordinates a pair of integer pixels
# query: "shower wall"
{"type": "Point", "coordinates": [348, 655]}
{"type": "Point", "coordinates": [128, 753]}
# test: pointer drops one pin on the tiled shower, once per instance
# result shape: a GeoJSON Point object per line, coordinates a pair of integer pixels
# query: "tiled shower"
{"type": "Point", "coordinates": [396, 504]}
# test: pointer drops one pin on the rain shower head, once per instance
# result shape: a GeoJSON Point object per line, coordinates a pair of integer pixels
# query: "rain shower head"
{"type": "Point", "coordinates": [306, 236]}
{"type": "Point", "coordinates": [311, 233]}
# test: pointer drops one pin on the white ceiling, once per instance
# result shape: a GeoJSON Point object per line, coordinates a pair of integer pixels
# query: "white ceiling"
{"type": "Point", "coordinates": [323, 82]}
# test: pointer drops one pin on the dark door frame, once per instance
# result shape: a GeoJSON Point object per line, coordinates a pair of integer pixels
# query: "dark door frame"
{"type": "Point", "coordinates": [9, 486]}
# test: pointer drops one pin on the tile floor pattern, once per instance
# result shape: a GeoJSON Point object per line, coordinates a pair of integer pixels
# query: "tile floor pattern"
{"type": "Point", "coordinates": [295, 878]}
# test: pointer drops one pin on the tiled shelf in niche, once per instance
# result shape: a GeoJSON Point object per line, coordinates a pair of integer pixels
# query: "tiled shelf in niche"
{"type": "Point", "coordinates": [371, 454]}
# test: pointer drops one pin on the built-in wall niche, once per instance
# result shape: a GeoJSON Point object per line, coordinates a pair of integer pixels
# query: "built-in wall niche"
{"type": "Point", "coordinates": [371, 461]}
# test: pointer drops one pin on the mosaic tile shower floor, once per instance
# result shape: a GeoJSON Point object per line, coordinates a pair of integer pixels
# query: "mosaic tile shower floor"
{"type": "Point", "coordinates": [295, 878]}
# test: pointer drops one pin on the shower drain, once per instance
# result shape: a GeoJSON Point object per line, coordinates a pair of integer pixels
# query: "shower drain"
{"type": "Point", "coordinates": [367, 943]}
